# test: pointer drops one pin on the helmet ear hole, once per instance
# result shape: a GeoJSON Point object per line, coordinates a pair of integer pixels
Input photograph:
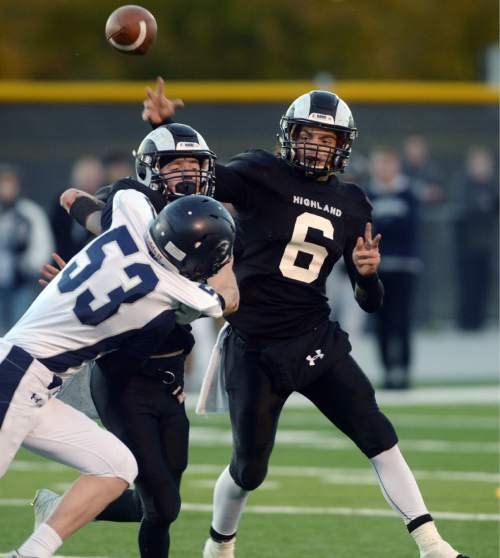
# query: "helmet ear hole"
{"type": "Point", "coordinates": [141, 172]}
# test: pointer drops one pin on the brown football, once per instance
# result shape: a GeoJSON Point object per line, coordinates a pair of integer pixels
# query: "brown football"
{"type": "Point", "coordinates": [131, 29]}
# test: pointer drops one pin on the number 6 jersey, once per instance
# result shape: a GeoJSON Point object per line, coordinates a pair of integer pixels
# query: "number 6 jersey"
{"type": "Point", "coordinates": [291, 230]}
{"type": "Point", "coordinates": [111, 294]}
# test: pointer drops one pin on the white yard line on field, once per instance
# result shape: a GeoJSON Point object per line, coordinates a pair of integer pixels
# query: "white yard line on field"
{"type": "Point", "coordinates": [329, 440]}
{"type": "Point", "coordinates": [288, 471]}
{"type": "Point", "coordinates": [300, 510]}
{"type": "Point", "coordinates": [451, 422]}
{"type": "Point", "coordinates": [210, 483]}
{"type": "Point", "coordinates": [450, 395]}
{"type": "Point", "coordinates": [468, 395]}
{"type": "Point", "coordinates": [443, 422]}
{"type": "Point", "coordinates": [14, 503]}
{"type": "Point", "coordinates": [355, 473]}
{"type": "Point", "coordinates": [45, 466]}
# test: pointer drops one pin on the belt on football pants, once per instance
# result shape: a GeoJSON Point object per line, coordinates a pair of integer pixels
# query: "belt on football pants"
{"type": "Point", "coordinates": [167, 377]}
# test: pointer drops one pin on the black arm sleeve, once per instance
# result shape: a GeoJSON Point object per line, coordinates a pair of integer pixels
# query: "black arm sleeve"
{"type": "Point", "coordinates": [84, 206]}
{"type": "Point", "coordinates": [368, 290]}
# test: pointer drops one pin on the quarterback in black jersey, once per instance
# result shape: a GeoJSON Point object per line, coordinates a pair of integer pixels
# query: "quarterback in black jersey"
{"type": "Point", "coordinates": [295, 219]}
{"type": "Point", "coordinates": [140, 400]}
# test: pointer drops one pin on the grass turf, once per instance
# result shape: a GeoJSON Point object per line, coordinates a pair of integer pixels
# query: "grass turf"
{"type": "Point", "coordinates": [306, 472]}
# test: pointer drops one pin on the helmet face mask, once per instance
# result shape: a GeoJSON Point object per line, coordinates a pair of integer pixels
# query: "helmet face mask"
{"type": "Point", "coordinates": [313, 148]}
{"type": "Point", "coordinates": [317, 156]}
{"type": "Point", "coordinates": [170, 144]}
{"type": "Point", "coordinates": [183, 176]}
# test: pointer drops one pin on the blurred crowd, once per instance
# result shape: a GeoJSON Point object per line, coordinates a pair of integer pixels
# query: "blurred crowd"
{"type": "Point", "coordinates": [30, 234]}
{"type": "Point", "coordinates": [402, 186]}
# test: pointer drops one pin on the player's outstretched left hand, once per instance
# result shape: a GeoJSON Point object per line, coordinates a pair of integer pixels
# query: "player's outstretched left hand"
{"type": "Point", "coordinates": [49, 271]}
{"type": "Point", "coordinates": [366, 255]}
{"type": "Point", "coordinates": [157, 107]}
{"type": "Point", "coordinates": [68, 197]}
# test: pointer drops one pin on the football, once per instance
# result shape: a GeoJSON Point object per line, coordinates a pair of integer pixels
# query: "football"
{"type": "Point", "coordinates": [131, 29]}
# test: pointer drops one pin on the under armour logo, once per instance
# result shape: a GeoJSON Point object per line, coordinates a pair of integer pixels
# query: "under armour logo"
{"type": "Point", "coordinates": [311, 359]}
{"type": "Point", "coordinates": [36, 399]}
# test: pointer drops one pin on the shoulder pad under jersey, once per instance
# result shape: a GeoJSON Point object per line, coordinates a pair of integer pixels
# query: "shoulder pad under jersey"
{"type": "Point", "coordinates": [156, 198]}
{"type": "Point", "coordinates": [254, 157]}
{"type": "Point", "coordinates": [356, 196]}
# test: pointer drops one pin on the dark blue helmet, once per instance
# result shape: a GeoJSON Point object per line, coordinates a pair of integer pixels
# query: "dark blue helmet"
{"type": "Point", "coordinates": [194, 234]}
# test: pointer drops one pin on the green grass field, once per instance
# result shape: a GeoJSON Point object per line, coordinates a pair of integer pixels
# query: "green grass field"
{"type": "Point", "coordinates": [320, 499]}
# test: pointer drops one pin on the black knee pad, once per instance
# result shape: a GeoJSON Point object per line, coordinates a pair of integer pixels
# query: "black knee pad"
{"type": "Point", "coordinates": [249, 474]}
{"type": "Point", "coordinates": [163, 507]}
{"type": "Point", "coordinates": [375, 435]}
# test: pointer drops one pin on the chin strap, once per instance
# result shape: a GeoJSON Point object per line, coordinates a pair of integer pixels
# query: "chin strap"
{"type": "Point", "coordinates": [185, 188]}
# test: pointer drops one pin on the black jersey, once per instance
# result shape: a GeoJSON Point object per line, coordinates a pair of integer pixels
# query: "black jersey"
{"type": "Point", "coordinates": [290, 232]}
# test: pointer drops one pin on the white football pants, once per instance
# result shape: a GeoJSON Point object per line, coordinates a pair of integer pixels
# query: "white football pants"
{"type": "Point", "coordinates": [53, 429]}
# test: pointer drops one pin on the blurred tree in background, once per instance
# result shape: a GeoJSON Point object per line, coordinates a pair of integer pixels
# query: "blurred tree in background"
{"type": "Point", "coordinates": [256, 39]}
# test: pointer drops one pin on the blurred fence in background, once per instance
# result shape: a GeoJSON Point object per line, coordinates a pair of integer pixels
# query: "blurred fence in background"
{"type": "Point", "coordinates": [55, 124]}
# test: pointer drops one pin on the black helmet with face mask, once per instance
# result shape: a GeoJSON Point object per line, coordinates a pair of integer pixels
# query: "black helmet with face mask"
{"type": "Point", "coordinates": [167, 143]}
{"type": "Point", "coordinates": [194, 235]}
{"type": "Point", "coordinates": [323, 110]}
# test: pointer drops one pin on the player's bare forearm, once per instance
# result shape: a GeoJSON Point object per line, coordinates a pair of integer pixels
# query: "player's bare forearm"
{"type": "Point", "coordinates": [224, 283]}
{"type": "Point", "coordinates": [84, 208]}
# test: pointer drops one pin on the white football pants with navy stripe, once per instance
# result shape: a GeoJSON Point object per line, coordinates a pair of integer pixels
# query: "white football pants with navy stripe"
{"type": "Point", "coordinates": [29, 416]}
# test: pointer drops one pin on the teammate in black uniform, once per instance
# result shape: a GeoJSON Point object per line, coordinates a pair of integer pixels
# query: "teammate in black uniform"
{"type": "Point", "coordinates": [141, 401]}
{"type": "Point", "coordinates": [295, 220]}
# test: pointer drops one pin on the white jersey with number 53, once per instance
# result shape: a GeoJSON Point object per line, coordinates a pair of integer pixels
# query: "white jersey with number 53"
{"type": "Point", "coordinates": [111, 294]}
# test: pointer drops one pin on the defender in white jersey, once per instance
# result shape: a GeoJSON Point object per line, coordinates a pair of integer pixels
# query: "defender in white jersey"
{"type": "Point", "coordinates": [133, 278]}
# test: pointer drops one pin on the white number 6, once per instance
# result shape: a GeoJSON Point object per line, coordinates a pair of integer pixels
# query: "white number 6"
{"type": "Point", "coordinates": [298, 243]}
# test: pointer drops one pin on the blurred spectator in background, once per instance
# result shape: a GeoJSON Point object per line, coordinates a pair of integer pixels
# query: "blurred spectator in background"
{"type": "Point", "coordinates": [395, 215]}
{"type": "Point", "coordinates": [426, 177]}
{"type": "Point", "coordinates": [25, 245]}
{"type": "Point", "coordinates": [476, 233]}
{"type": "Point", "coordinates": [424, 171]}
{"type": "Point", "coordinates": [70, 237]}
{"type": "Point", "coordinates": [117, 165]}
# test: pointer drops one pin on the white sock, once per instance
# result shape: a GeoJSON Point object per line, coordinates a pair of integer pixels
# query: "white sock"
{"type": "Point", "coordinates": [42, 543]}
{"type": "Point", "coordinates": [398, 484]}
{"type": "Point", "coordinates": [229, 504]}
{"type": "Point", "coordinates": [426, 536]}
